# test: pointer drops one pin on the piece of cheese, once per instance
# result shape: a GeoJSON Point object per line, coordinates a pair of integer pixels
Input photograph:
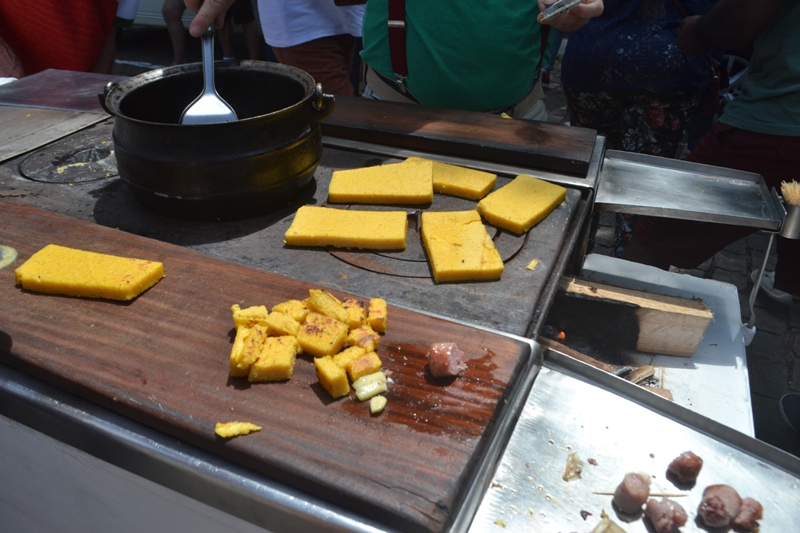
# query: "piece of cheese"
{"type": "Point", "coordinates": [521, 204]}
{"type": "Point", "coordinates": [460, 181]}
{"type": "Point", "coordinates": [406, 183]}
{"type": "Point", "coordinates": [345, 228]}
{"type": "Point", "coordinates": [60, 270]}
{"type": "Point", "coordinates": [459, 247]}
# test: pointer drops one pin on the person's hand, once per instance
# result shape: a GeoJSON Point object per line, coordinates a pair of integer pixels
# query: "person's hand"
{"type": "Point", "coordinates": [690, 39]}
{"type": "Point", "coordinates": [208, 12]}
{"type": "Point", "coordinates": [573, 18]}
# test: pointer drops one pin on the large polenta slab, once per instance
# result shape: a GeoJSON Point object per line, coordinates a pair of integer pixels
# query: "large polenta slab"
{"type": "Point", "coordinates": [409, 182]}
{"type": "Point", "coordinates": [521, 204]}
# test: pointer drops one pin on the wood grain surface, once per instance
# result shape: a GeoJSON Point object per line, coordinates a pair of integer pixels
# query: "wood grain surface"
{"type": "Point", "coordinates": [462, 133]}
{"type": "Point", "coordinates": [162, 360]}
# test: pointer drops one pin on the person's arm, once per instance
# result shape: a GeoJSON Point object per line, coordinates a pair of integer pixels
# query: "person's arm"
{"type": "Point", "coordinates": [208, 12]}
{"type": "Point", "coordinates": [729, 24]}
{"type": "Point", "coordinates": [10, 66]}
{"type": "Point", "coordinates": [575, 17]}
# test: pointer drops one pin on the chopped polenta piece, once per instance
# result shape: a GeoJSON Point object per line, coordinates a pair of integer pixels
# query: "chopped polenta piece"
{"type": "Point", "coordinates": [294, 308]}
{"type": "Point", "coordinates": [234, 429]}
{"type": "Point", "coordinates": [60, 270]}
{"type": "Point", "coordinates": [369, 363]}
{"type": "Point", "coordinates": [249, 316]}
{"type": "Point", "coordinates": [281, 324]}
{"type": "Point", "coordinates": [326, 304]}
{"type": "Point", "coordinates": [276, 360]}
{"type": "Point", "coordinates": [521, 204]}
{"type": "Point", "coordinates": [242, 358]}
{"type": "Point", "coordinates": [365, 337]}
{"type": "Point", "coordinates": [332, 377]}
{"type": "Point", "coordinates": [322, 335]}
{"type": "Point", "coordinates": [356, 313]}
{"type": "Point", "coordinates": [377, 316]}
{"type": "Point", "coordinates": [346, 356]}
{"type": "Point", "coordinates": [238, 349]}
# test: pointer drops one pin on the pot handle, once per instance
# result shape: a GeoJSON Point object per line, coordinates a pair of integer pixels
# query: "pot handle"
{"type": "Point", "coordinates": [322, 103]}
{"type": "Point", "coordinates": [110, 86]}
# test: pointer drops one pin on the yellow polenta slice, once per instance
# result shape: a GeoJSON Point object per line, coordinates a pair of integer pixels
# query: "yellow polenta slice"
{"type": "Point", "coordinates": [409, 182]}
{"type": "Point", "coordinates": [460, 181]}
{"type": "Point", "coordinates": [459, 247]}
{"type": "Point", "coordinates": [59, 270]}
{"type": "Point", "coordinates": [521, 204]}
{"type": "Point", "coordinates": [346, 228]}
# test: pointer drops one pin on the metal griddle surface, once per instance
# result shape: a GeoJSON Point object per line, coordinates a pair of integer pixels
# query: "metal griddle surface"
{"type": "Point", "coordinates": [509, 305]}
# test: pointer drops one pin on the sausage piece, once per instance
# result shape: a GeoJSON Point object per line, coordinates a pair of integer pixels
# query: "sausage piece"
{"type": "Point", "coordinates": [666, 515]}
{"type": "Point", "coordinates": [632, 493]}
{"type": "Point", "coordinates": [686, 467]}
{"type": "Point", "coordinates": [720, 505]}
{"type": "Point", "coordinates": [749, 513]}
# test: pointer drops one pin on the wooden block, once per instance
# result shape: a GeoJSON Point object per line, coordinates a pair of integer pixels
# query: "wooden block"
{"type": "Point", "coordinates": [627, 318]}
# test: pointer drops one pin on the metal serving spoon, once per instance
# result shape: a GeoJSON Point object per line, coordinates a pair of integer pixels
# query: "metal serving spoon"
{"type": "Point", "coordinates": [208, 107]}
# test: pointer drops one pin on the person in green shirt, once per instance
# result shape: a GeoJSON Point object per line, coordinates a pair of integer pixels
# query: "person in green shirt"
{"type": "Point", "coordinates": [462, 54]}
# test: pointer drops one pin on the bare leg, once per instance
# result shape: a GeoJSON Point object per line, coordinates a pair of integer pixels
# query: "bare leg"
{"type": "Point", "coordinates": [225, 34]}
{"type": "Point", "coordinates": [172, 11]}
{"type": "Point", "coordinates": [252, 38]}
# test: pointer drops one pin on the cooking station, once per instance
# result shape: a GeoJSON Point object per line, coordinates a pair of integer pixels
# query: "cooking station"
{"type": "Point", "coordinates": [132, 390]}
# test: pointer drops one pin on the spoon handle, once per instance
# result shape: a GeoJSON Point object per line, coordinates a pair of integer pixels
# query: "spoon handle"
{"type": "Point", "coordinates": [207, 40]}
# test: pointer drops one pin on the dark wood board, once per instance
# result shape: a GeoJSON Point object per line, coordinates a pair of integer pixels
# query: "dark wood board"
{"type": "Point", "coordinates": [162, 360]}
{"type": "Point", "coordinates": [463, 133]}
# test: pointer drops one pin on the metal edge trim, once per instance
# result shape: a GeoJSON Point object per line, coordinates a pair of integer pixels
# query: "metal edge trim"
{"type": "Point", "coordinates": [499, 168]}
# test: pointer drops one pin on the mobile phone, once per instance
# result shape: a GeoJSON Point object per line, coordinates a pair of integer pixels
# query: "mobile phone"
{"type": "Point", "coordinates": [559, 8]}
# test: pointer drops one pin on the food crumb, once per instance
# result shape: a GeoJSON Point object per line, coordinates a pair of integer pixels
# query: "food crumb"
{"type": "Point", "coordinates": [591, 461]}
{"type": "Point", "coordinates": [227, 430]}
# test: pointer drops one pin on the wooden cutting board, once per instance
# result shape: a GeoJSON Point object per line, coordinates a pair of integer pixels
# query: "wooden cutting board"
{"type": "Point", "coordinates": [468, 134]}
{"type": "Point", "coordinates": [162, 360]}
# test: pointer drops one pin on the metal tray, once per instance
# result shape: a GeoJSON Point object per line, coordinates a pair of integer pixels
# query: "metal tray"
{"type": "Point", "coordinates": [649, 185]}
{"type": "Point", "coordinates": [622, 428]}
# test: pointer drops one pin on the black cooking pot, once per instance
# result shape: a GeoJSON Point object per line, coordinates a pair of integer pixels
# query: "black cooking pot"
{"type": "Point", "coordinates": [232, 170]}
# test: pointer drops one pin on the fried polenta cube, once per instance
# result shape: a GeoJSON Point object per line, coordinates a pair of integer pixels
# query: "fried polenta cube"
{"type": "Point", "coordinates": [322, 335]}
{"type": "Point", "coordinates": [294, 308]}
{"type": "Point", "coordinates": [281, 324]}
{"type": "Point", "coordinates": [245, 352]}
{"type": "Point", "coordinates": [234, 429]}
{"type": "Point", "coordinates": [365, 337]}
{"type": "Point", "coordinates": [276, 360]}
{"type": "Point", "coordinates": [356, 312]}
{"type": "Point", "coordinates": [249, 316]}
{"type": "Point", "coordinates": [363, 365]}
{"type": "Point", "coordinates": [326, 304]}
{"type": "Point", "coordinates": [346, 356]}
{"type": "Point", "coordinates": [332, 377]}
{"type": "Point", "coordinates": [377, 315]}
